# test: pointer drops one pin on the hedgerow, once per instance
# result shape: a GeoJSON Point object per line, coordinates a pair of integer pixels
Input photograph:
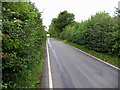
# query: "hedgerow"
{"type": "Point", "coordinates": [99, 33]}
{"type": "Point", "coordinates": [23, 41]}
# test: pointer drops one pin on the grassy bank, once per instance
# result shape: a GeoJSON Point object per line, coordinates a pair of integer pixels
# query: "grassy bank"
{"type": "Point", "coordinates": [114, 60]}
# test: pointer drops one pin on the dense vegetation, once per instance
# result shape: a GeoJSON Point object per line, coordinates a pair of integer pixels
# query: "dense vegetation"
{"type": "Point", "coordinates": [99, 33]}
{"type": "Point", "coordinates": [23, 45]}
{"type": "Point", "coordinates": [58, 24]}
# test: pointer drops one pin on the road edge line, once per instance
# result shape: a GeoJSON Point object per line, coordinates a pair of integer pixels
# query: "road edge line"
{"type": "Point", "coordinates": [49, 67]}
{"type": "Point", "coordinates": [96, 58]}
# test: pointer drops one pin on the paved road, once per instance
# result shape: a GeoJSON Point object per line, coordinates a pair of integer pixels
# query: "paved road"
{"type": "Point", "coordinates": [72, 69]}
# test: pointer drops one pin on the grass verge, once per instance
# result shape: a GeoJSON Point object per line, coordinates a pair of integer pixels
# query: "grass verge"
{"type": "Point", "coordinates": [114, 60]}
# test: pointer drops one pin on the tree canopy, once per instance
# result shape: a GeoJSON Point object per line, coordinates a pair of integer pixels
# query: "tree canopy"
{"type": "Point", "coordinates": [99, 33]}
{"type": "Point", "coordinates": [64, 18]}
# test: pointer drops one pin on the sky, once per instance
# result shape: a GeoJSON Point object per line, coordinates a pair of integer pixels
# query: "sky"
{"type": "Point", "coordinates": [82, 9]}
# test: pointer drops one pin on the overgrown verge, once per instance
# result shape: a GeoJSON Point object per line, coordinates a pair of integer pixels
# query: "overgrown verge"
{"type": "Point", "coordinates": [23, 43]}
{"type": "Point", "coordinates": [114, 60]}
{"type": "Point", "coordinates": [98, 35]}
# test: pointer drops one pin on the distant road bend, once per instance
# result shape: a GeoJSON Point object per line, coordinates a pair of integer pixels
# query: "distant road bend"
{"type": "Point", "coordinates": [72, 69]}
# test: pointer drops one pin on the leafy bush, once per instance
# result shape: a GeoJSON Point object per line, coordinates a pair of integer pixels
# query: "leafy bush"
{"type": "Point", "coordinates": [99, 33]}
{"type": "Point", "coordinates": [58, 24]}
{"type": "Point", "coordinates": [23, 44]}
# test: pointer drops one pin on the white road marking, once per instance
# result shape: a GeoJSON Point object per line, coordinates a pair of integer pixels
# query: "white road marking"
{"type": "Point", "coordinates": [49, 42]}
{"type": "Point", "coordinates": [96, 58]}
{"type": "Point", "coordinates": [49, 67]}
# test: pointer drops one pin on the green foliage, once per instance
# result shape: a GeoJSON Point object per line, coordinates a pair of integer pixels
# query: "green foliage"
{"type": "Point", "coordinates": [75, 32]}
{"type": "Point", "coordinates": [23, 45]}
{"type": "Point", "coordinates": [117, 12]}
{"type": "Point", "coordinates": [69, 33]}
{"type": "Point", "coordinates": [52, 31]}
{"type": "Point", "coordinates": [99, 33]}
{"type": "Point", "coordinates": [59, 23]}
{"type": "Point", "coordinates": [114, 60]}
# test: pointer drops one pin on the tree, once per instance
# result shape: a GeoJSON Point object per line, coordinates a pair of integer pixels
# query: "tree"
{"type": "Point", "coordinates": [64, 19]}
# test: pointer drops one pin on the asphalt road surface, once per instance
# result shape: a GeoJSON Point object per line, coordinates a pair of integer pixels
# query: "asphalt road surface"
{"type": "Point", "coordinates": [72, 69]}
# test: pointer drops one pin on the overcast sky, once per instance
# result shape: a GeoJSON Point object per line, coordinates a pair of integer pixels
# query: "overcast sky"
{"type": "Point", "coordinates": [82, 9]}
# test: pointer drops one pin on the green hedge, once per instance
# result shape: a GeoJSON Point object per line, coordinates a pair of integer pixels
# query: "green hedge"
{"type": "Point", "coordinates": [22, 45]}
{"type": "Point", "coordinates": [99, 33]}
{"type": "Point", "coordinates": [102, 33]}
